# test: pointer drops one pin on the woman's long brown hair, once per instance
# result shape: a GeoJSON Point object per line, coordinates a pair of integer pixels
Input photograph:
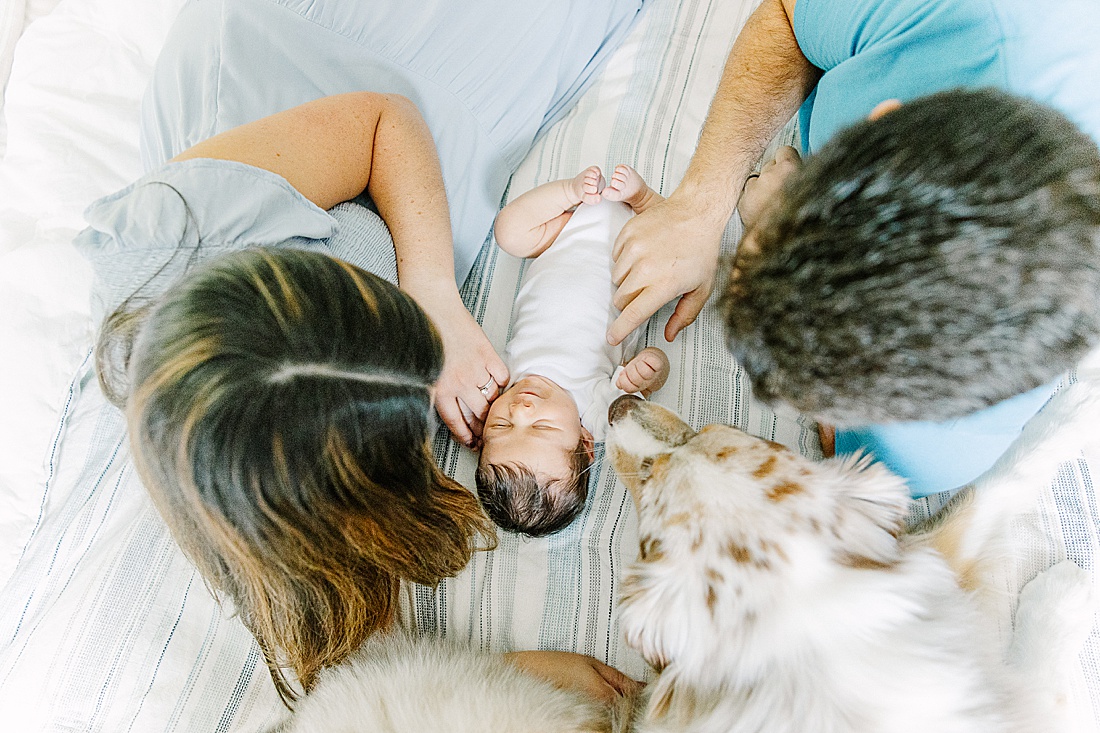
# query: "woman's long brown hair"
{"type": "Point", "coordinates": [279, 406]}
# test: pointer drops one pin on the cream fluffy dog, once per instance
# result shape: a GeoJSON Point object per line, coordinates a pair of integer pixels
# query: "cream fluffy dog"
{"type": "Point", "coordinates": [777, 593]}
{"type": "Point", "coordinates": [397, 684]}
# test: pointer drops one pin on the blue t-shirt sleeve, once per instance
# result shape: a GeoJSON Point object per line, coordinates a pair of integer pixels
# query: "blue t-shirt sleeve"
{"type": "Point", "coordinates": [830, 32]}
{"type": "Point", "coordinates": [874, 50]}
{"type": "Point", "coordinates": [934, 457]}
{"type": "Point", "coordinates": [826, 30]}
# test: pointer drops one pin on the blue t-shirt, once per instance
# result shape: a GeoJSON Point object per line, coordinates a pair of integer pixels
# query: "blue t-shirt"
{"type": "Point", "coordinates": [874, 50]}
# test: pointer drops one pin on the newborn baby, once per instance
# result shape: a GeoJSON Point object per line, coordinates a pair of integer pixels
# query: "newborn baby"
{"type": "Point", "coordinates": [539, 436]}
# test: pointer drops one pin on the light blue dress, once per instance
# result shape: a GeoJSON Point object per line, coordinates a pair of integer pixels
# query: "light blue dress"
{"type": "Point", "coordinates": [487, 75]}
{"type": "Point", "coordinates": [874, 50]}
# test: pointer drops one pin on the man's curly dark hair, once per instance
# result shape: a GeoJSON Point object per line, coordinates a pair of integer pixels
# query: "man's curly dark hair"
{"type": "Point", "coordinates": [924, 265]}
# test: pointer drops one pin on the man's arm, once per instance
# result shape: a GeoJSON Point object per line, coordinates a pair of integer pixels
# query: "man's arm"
{"type": "Point", "coordinates": [672, 249]}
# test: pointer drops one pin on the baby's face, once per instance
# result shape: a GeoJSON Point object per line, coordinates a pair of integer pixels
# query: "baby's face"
{"type": "Point", "coordinates": [534, 423]}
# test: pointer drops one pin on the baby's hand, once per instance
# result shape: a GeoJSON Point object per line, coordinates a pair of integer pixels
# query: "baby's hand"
{"type": "Point", "coordinates": [645, 373]}
{"type": "Point", "coordinates": [588, 184]}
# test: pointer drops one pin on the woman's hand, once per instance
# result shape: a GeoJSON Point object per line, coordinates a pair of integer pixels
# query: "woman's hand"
{"type": "Point", "coordinates": [470, 364]}
{"type": "Point", "coordinates": [577, 672]}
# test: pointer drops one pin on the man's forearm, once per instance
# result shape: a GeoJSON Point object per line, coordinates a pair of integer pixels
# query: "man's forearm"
{"type": "Point", "coordinates": [765, 80]}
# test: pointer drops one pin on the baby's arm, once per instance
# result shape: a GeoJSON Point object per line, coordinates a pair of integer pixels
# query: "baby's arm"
{"type": "Point", "coordinates": [627, 185]}
{"type": "Point", "coordinates": [645, 373]}
{"type": "Point", "coordinates": [531, 223]}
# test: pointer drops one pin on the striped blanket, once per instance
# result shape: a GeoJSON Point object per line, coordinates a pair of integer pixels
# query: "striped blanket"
{"type": "Point", "coordinates": [105, 626]}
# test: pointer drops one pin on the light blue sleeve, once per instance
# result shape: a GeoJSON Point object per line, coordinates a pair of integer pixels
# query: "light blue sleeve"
{"type": "Point", "coordinates": [827, 32]}
{"type": "Point", "coordinates": [874, 50]}
{"type": "Point", "coordinates": [147, 235]}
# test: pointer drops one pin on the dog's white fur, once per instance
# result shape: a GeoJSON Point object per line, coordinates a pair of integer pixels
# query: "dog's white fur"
{"type": "Point", "coordinates": [397, 684]}
{"type": "Point", "coordinates": [781, 594]}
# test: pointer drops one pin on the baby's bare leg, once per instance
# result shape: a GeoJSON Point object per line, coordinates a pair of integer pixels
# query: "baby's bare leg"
{"type": "Point", "coordinates": [627, 185]}
{"type": "Point", "coordinates": [531, 223]}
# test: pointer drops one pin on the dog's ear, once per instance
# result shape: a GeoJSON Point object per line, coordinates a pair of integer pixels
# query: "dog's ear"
{"type": "Point", "coordinates": [872, 504]}
{"type": "Point", "coordinates": [662, 609]}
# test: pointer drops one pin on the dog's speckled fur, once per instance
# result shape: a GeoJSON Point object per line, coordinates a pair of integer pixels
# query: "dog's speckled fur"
{"type": "Point", "coordinates": [776, 593]}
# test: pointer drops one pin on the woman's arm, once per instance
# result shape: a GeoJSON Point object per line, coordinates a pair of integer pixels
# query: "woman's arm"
{"type": "Point", "coordinates": [334, 148]}
{"type": "Point", "coordinates": [570, 671]}
{"type": "Point", "coordinates": [672, 249]}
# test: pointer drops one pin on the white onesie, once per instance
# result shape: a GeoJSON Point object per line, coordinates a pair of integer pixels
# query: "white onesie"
{"type": "Point", "coordinates": [563, 310]}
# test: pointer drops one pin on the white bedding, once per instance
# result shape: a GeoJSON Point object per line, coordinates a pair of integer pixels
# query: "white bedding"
{"type": "Point", "coordinates": [71, 107]}
{"type": "Point", "coordinates": [103, 624]}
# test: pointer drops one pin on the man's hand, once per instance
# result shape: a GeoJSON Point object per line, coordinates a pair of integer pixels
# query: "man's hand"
{"type": "Point", "coordinates": [671, 250]}
{"type": "Point", "coordinates": [645, 373]}
{"type": "Point", "coordinates": [666, 252]}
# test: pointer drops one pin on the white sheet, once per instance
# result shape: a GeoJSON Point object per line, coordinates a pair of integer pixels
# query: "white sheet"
{"type": "Point", "coordinates": [71, 109]}
{"type": "Point", "coordinates": [15, 17]}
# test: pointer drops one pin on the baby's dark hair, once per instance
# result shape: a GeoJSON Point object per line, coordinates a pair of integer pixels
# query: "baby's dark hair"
{"type": "Point", "coordinates": [515, 500]}
{"type": "Point", "coordinates": [924, 265]}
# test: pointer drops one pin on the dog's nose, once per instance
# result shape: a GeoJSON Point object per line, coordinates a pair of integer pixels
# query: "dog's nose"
{"type": "Point", "coordinates": [621, 406]}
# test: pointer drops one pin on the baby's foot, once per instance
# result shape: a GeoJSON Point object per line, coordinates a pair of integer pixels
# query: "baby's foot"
{"type": "Point", "coordinates": [588, 184]}
{"type": "Point", "coordinates": [626, 185]}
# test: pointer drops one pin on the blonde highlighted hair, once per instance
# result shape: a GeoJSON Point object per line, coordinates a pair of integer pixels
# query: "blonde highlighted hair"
{"type": "Point", "coordinates": [279, 406]}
